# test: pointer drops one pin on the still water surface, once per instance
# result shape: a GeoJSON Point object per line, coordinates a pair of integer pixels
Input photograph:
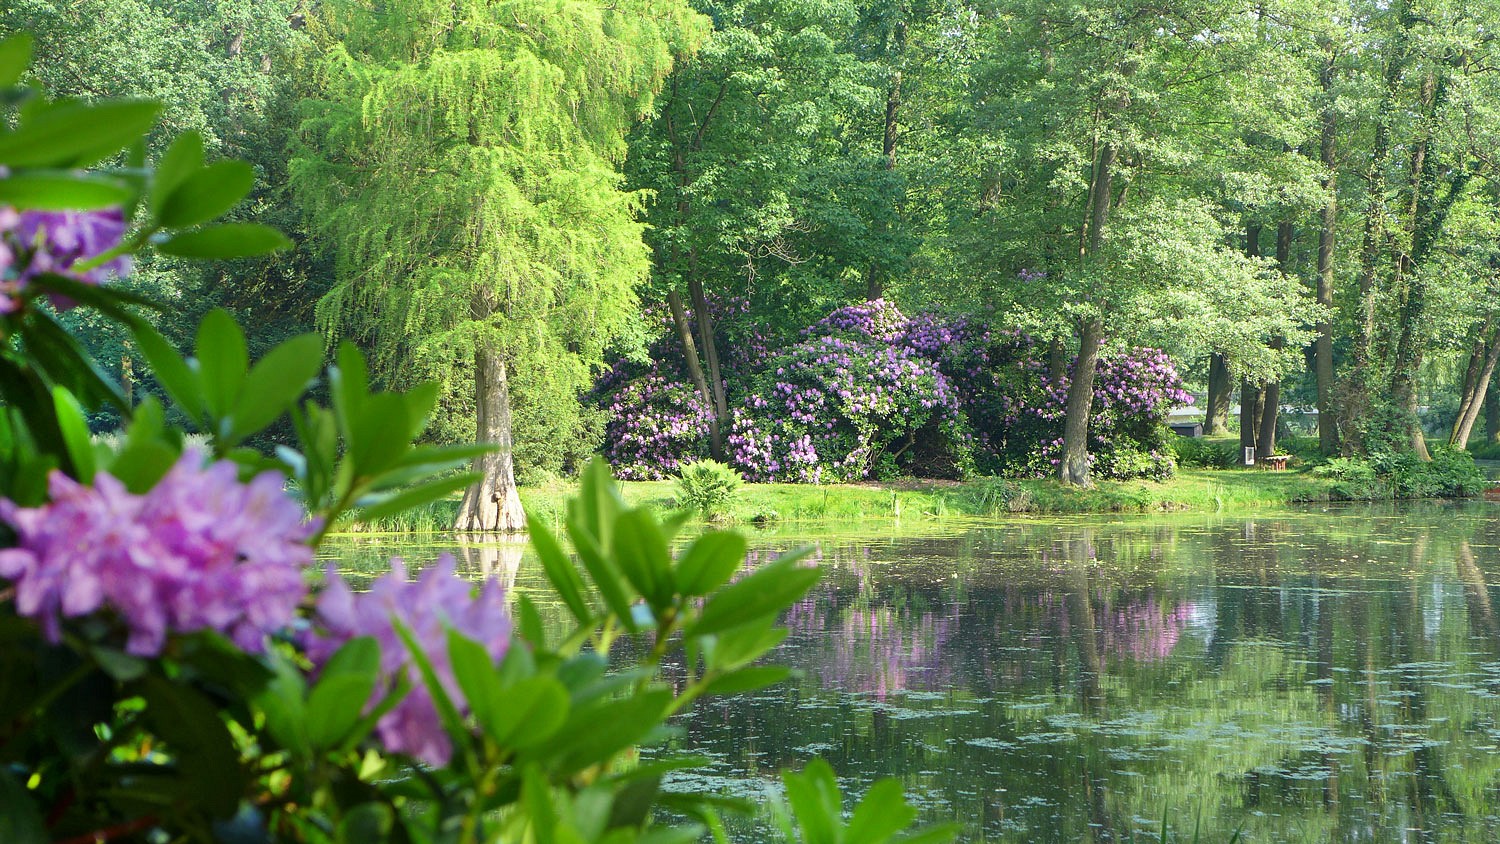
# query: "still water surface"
{"type": "Point", "coordinates": [1318, 676]}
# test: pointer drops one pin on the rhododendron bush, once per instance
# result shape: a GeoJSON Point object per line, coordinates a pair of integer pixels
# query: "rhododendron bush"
{"type": "Point", "coordinates": [173, 668]}
{"type": "Point", "coordinates": [867, 392]}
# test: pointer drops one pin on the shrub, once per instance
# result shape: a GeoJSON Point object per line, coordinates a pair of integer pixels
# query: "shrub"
{"type": "Point", "coordinates": [169, 674]}
{"type": "Point", "coordinates": [1354, 479]}
{"type": "Point", "coordinates": [1199, 453]}
{"type": "Point", "coordinates": [708, 487]}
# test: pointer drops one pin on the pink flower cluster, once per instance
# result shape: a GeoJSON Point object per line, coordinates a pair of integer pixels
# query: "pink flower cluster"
{"type": "Point", "coordinates": [427, 607]}
{"type": "Point", "coordinates": [33, 243]}
{"type": "Point", "coordinates": [199, 551]}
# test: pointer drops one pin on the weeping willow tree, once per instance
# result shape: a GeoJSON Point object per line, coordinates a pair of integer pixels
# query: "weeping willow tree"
{"type": "Point", "coordinates": [463, 169]}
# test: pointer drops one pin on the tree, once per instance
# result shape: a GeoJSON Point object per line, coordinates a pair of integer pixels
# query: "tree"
{"type": "Point", "coordinates": [463, 167]}
{"type": "Point", "coordinates": [1112, 108]}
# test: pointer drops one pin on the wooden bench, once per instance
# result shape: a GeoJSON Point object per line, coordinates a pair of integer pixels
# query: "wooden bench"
{"type": "Point", "coordinates": [1274, 463]}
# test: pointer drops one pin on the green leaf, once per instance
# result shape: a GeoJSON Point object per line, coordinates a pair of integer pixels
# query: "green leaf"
{"type": "Point", "coordinates": [710, 561]}
{"type": "Point", "coordinates": [208, 764]}
{"type": "Point", "coordinates": [536, 796]}
{"type": "Point", "coordinates": [747, 679]}
{"type": "Point", "coordinates": [343, 689]}
{"type": "Point", "coordinates": [367, 823]}
{"type": "Point", "coordinates": [597, 505]}
{"type": "Point", "coordinates": [15, 57]}
{"type": "Point", "coordinates": [881, 814]}
{"type": "Point", "coordinates": [20, 819]}
{"type": "Point", "coordinates": [559, 568]}
{"type": "Point", "coordinates": [226, 241]}
{"type": "Point", "coordinates": [528, 714]}
{"type": "Point", "coordinates": [65, 191]}
{"type": "Point", "coordinates": [183, 158]}
{"type": "Point", "coordinates": [603, 571]}
{"type": "Point", "coordinates": [77, 134]}
{"type": "Point", "coordinates": [75, 434]}
{"type": "Point", "coordinates": [275, 383]}
{"type": "Point", "coordinates": [814, 795]}
{"type": "Point", "coordinates": [414, 496]}
{"type": "Point", "coordinates": [283, 702]}
{"type": "Point", "coordinates": [62, 360]}
{"type": "Point", "coordinates": [206, 194]}
{"type": "Point", "coordinates": [222, 359]}
{"type": "Point", "coordinates": [772, 588]}
{"type": "Point", "coordinates": [640, 550]}
{"type": "Point", "coordinates": [595, 732]}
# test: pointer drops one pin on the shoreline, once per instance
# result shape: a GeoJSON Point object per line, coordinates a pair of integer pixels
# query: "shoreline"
{"type": "Point", "coordinates": [768, 505]}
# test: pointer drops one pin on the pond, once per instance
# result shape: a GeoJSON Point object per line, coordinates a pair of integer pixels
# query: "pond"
{"type": "Point", "coordinates": [1328, 675]}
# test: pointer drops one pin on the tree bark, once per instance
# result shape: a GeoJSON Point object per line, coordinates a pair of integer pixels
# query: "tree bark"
{"type": "Point", "coordinates": [1328, 436]}
{"type": "Point", "coordinates": [1074, 465]}
{"type": "Point", "coordinates": [1073, 468]}
{"type": "Point", "coordinates": [705, 321]}
{"type": "Point", "coordinates": [1492, 414]}
{"type": "Point", "coordinates": [1220, 392]}
{"type": "Point", "coordinates": [492, 505]}
{"type": "Point", "coordinates": [1057, 362]}
{"type": "Point", "coordinates": [1479, 392]}
{"type": "Point", "coordinates": [1265, 439]}
{"type": "Point", "coordinates": [1250, 405]}
{"type": "Point", "coordinates": [695, 371]}
{"type": "Point", "coordinates": [875, 274]}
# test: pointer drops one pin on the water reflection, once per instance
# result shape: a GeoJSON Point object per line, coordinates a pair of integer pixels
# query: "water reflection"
{"type": "Point", "coordinates": [1317, 677]}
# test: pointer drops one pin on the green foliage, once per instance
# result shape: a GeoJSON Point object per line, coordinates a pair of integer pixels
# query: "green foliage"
{"type": "Point", "coordinates": [202, 740]}
{"type": "Point", "coordinates": [1449, 474]}
{"type": "Point", "coordinates": [708, 487]}
{"type": "Point", "coordinates": [1203, 453]}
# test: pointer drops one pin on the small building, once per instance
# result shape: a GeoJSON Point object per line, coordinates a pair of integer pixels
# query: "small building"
{"type": "Point", "coordinates": [1187, 429]}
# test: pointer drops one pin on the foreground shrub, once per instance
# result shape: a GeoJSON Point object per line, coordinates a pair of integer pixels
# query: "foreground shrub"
{"type": "Point", "coordinates": [162, 677]}
{"type": "Point", "coordinates": [708, 487]}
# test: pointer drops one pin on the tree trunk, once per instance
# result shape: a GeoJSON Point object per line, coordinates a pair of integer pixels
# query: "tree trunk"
{"type": "Point", "coordinates": [1374, 228]}
{"type": "Point", "coordinates": [1328, 436]}
{"type": "Point", "coordinates": [1073, 468]}
{"type": "Point", "coordinates": [1492, 415]}
{"type": "Point", "coordinates": [1480, 392]}
{"type": "Point", "coordinates": [875, 274]}
{"type": "Point", "coordinates": [1265, 439]}
{"type": "Point", "coordinates": [1057, 362]}
{"type": "Point", "coordinates": [1250, 405]}
{"type": "Point", "coordinates": [695, 370]}
{"type": "Point", "coordinates": [1220, 392]}
{"type": "Point", "coordinates": [1074, 465]}
{"type": "Point", "coordinates": [492, 505]}
{"type": "Point", "coordinates": [705, 321]}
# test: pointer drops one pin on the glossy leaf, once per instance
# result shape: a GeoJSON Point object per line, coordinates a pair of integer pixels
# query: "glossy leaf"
{"type": "Point", "coordinates": [63, 191]}
{"type": "Point", "coordinates": [226, 241]}
{"type": "Point", "coordinates": [75, 434]}
{"type": "Point", "coordinates": [206, 194]}
{"type": "Point", "coordinates": [15, 57]}
{"type": "Point", "coordinates": [343, 689]}
{"type": "Point", "coordinates": [275, 383]}
{"type": "Point", "coordinates": [559, 568]}
{"type": "Point", "coordinates": [77, 134]}
{"type": "Point", "coordinates": [222, 359]}
{"type": "Point", "coordinates": [709, 562]}
{"type": "Point", "coordinates": [770, 589]}
{"type": "Point", "coordinates": [182, 159]}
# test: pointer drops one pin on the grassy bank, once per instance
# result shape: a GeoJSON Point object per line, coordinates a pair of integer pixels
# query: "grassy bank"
{"type": "Point", "coordinates": [1192, 489]}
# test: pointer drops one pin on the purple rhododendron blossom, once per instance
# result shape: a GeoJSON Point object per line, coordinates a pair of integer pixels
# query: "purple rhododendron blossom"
{"type": "Point", "coordinates": [428, 607]}
{"type": "Point", "coordinates": [199, 551]}
{"type": "Point", "coordinates": [37, 242]}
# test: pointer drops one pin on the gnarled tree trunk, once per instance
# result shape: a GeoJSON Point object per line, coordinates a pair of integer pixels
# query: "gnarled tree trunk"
{"type": "Point", "coordinates": [492, 505]}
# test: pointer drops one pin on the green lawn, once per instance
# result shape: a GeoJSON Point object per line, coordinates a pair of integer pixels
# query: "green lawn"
{"type": "Point", "coordinates": [1192, 489]}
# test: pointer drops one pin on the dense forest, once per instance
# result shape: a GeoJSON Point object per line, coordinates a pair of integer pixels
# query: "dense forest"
{"type": "Point", "coordinates": [829, 240]}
